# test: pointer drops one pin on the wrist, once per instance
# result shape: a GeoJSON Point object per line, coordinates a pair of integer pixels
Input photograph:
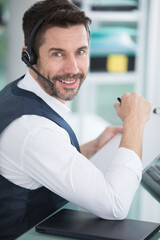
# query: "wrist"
{"type": "Point", "coordinates": [132, 136]}
{"type": "Point", "coordinates": [133, 123]}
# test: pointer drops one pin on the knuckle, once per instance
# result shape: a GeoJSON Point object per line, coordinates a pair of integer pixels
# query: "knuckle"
{"type": "Point", "coordinates": [135, 94]}
{"type": "Point", "coordinates": [125, 95]}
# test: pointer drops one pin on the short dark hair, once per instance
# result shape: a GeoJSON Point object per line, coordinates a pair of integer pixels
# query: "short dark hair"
{"type": "Point", "coordinates": [60, 13]}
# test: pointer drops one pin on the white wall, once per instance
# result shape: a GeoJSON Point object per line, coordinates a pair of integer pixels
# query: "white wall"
{"type": "Point", "coordinates": [16, 67]}
{"type": "Point", "coordinates": [153, 56]}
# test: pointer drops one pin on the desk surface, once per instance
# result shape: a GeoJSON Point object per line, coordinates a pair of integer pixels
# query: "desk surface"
{"type": "Point", "coordinates": [144, 207]}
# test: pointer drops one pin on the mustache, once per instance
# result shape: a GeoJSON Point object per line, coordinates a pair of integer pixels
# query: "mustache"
{"type": "Point", "coordinates": [68, 76]}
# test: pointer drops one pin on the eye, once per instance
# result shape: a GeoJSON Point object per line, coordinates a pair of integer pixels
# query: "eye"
{"type": "Point", "coordinates": [57, 54]}
{"type": "Point", "coordinates": [80, 52]}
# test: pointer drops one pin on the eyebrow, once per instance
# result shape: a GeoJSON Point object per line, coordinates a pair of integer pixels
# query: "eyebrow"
{"type": "Point", "coordinates": [83, 47]}
{"type": "Point", "coordinates": [62, 50]}
{"type": "Point", "coordinates": [56, 49]}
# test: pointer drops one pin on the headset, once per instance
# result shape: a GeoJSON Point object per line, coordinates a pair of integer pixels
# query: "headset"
{"type": "Point", "coordinates": [29, 56]}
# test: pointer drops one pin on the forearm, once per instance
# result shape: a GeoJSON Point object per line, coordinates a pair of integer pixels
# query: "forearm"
{"type": "Point", "coordinates": [132, 136]}
{"type": "Point", "coordinates": [89, 149]}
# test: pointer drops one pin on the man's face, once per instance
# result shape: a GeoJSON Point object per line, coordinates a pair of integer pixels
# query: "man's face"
{"type": "Point", "coordinates": [63, 59]}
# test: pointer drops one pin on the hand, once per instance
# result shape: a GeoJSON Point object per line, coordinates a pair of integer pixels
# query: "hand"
{"type": "Point", "coordinates": [107, 135]}
{"type": "Point", "coordinates": [134, 112]}
{"type": "Point", "coordinates": [133, 108]}
{"type": "Point", "coordinates": [90, 148]}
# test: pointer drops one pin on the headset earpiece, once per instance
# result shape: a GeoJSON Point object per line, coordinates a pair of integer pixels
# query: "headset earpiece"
{"type": "Point", "coordinates": [29, 56]}
{"type": "Point", "coordinates": [30, 60]}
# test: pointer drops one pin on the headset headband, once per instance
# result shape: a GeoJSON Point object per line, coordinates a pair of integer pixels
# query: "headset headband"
{"type": "Point", "coordinates": [38, 24]}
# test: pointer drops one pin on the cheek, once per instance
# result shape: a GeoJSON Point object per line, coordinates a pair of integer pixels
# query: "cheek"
{"type": "Point", "coordinates": [87, 64]}
{"type": "Point", "coordinates": [52, 68]}
{"type": "Point", "coordinates": [84, 65]}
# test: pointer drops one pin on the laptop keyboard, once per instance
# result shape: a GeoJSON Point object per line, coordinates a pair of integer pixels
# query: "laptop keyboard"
{"type": "Point", "coordinates": [151, 177]}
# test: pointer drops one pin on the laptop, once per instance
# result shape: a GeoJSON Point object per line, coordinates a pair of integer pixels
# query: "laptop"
{"type": "Point", "coordinates": [84, 225]}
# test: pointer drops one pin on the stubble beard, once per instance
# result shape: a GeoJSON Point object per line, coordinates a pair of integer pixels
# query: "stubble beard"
{"type": "Point", "coordinates": [54, 91]}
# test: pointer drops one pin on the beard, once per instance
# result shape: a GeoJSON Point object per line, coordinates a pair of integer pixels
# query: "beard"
{"type": "Point", "coordinates": [55, 92]}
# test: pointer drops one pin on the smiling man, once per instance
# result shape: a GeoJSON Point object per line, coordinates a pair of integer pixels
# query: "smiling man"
{"type": "Point", "coordinates": [41, 164]}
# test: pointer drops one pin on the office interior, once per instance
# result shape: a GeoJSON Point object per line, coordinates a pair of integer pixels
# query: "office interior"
{"type": "Point", "coordinates": [124, 54]}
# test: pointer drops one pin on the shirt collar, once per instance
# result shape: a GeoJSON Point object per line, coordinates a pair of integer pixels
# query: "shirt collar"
{"type": "Point", "coordinates": [29, 83]}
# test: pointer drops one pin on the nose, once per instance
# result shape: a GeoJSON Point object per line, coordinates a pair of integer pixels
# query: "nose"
{"type": "Point", "coordinates": [71, 65]}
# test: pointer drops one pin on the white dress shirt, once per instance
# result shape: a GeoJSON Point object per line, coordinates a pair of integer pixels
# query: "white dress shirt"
{"type": "Point", "coordinates": [35, 152]}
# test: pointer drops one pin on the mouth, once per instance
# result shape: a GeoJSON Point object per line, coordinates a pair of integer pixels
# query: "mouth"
{"type": "Point", "coordinates": [69, 82]}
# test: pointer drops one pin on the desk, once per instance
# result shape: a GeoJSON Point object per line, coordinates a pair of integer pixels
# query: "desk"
{"type": "Point", "coordinates": [144, 207]}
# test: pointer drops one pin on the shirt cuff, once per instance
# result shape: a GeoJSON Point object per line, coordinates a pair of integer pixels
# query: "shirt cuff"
{"type": "Point", "coordinates": [129, 159]}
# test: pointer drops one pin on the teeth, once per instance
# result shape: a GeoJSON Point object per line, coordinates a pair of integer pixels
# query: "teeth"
{"type": "Point", "coordinates": [68, 82]}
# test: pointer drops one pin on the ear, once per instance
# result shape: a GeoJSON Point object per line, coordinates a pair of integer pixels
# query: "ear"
{"type": "Point", "coordinates": [24, 48]}
{"type": "Point", "coordinates": [29, 55]}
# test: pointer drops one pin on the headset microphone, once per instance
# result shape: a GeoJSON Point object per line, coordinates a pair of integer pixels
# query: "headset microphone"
{"type": "Point", "coordinates": [29, 56]}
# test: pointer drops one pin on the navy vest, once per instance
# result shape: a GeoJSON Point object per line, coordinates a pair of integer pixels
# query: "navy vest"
{"type": "Point", "coordinates": [21, 208]}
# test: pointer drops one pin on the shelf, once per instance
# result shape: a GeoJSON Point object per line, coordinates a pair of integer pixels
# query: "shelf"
{"type": "Point", "coordinates": [134, 78]}
{"type": "Point", "coordinates": [114, 16]}
{"type": "Point", "coordinates": [111, 78]}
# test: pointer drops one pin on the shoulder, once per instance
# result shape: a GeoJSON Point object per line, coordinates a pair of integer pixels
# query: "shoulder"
{"type": "Point", "coordinates": [33, 125]}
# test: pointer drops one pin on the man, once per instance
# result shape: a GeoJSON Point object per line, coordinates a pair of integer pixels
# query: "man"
{"type": "Point", "coordinates": [41, 164]}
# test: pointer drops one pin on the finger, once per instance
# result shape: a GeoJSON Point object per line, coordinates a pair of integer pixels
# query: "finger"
{"type": "Point", "coordinates": [116, 106]}
{"type": "Point", "coordinates": [118, 129]}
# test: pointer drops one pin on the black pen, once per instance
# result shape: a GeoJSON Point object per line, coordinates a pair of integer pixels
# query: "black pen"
{"type": "Point", "coordinates": [156, 110]}
{"type": "Point", "coordinates": [119, 99]}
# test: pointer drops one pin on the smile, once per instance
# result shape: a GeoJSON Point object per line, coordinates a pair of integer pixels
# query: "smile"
{"type": "Point", "coordinates": [68, 82]}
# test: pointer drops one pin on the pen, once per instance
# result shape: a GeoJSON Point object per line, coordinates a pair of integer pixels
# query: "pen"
{"type": "Point", "coordinates": [156, 110]}
{"type": "Point", "coordinates": [119, 99]}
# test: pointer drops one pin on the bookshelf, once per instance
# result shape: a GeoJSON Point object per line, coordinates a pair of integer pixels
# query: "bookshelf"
{"type": "Point", "coordinates": [92, 98]}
